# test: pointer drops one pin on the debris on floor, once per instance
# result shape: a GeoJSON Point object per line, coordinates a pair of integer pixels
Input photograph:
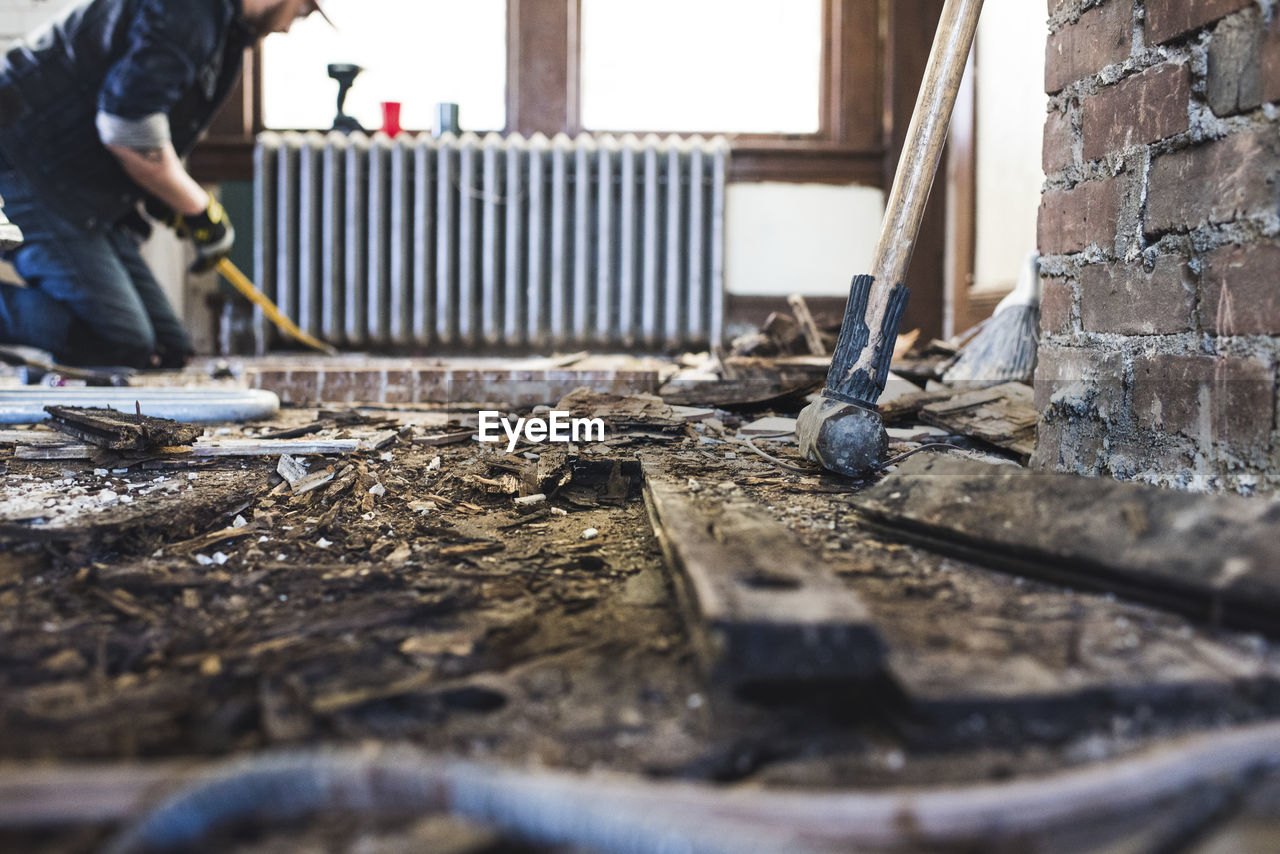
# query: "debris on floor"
{"type": "Point", "coordinates": [683, 598]}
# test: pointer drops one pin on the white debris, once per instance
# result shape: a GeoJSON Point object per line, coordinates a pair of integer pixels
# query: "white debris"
{"type": "Point", "coordinates": [590, 534]}
{"type": "Point", "coordinates": [219, 558]}
{"type": "Point", "coordinates": [377, 490]}
{"type": "Point", "coordinates": [240, 522]}
{"type": "Point", "coordinates": [693, 485]}
{"type": "Point", "coordinates": [531, 500]}
{"type": "Point", "coordinates": [204, 560]}
{"type": "Point", "coordinates": [108, 497]}
{"type": "Point", "coordinates": [192, 475]}
{"type": "Point", "coordinates": [385, 456]}
{"type": "Point", "coordinates": [323, 543]}
{"type": "Point", "coordinates": [101, 472]}
{"type": "Point", "coordinates": [559, 511]}
{"type": "Point", "coordinates": [291, 469]}
{"type": "Point", "coordinates": [264, 538]}
{"type": "Point", "coordinates": [434, 465]}
{"type": "Point", "coordinates": [126, 499]}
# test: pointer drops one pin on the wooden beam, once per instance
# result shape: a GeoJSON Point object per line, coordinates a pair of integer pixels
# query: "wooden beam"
{"type": "Point", "coordinates": [542, 66]}
{"type": "Point", "coordinates": [761, 606]}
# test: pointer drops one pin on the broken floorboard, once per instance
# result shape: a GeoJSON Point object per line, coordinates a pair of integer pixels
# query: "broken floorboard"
{"type": "Point", "coordinates": [1003, 415]}
{"type": "Point", "coordinates": [762, 608]}
{"type": "Point", "coordinates": [1213, 558]}
{"type": "Point", "coordinates": [121, 431]}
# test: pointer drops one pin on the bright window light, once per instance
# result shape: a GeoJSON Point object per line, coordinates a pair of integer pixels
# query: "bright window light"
{"type": "Point", "coordinates": [738, 66]}
{"type": "Point", "coordinates": [417, 52]}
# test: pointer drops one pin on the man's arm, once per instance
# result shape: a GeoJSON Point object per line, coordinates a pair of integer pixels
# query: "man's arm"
{"type": "Point", "coordinates": [159, 171]}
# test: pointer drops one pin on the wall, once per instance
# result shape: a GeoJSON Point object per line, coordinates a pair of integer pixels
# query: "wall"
{"type": "Point", "coordinates": [1011, 104]}
{"type": "Point", "coordinates": [1161, 313]}
{"type": "Point", "coordinates": [806, 238]}
{"type": "Point", "coordinates": [19, 17]}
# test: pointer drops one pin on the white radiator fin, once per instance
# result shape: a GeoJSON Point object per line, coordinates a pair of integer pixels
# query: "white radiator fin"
{"type": "Point", "coordinates": [495, 242]}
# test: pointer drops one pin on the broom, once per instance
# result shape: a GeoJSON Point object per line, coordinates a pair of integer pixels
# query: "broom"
{"type": "Point", "coordinates": [1005, 350]}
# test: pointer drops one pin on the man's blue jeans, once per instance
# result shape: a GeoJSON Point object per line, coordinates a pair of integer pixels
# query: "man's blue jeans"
{"type": "Point", "coordinates": [91, 299]}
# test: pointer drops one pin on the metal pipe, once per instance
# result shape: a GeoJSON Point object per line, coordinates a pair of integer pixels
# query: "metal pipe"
{"type": "Point", "coordinates": [192, 405]}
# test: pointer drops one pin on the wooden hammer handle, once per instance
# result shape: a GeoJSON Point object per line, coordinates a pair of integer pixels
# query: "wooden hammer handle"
{"type": "Point", "coordinates": [860, 365]}
{"type": "Point", "coordinates": [922, 150]}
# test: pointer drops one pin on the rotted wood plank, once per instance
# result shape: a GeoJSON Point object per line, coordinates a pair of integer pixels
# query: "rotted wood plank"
{"type": "Point", "coordinates": [1214, 558]}
{"type": "Point", "coordinates": [761, 606]}
{"type": "Point", "coordinates": [121, 431]}
{"type": "Point", "coordinates": [1003, 415]}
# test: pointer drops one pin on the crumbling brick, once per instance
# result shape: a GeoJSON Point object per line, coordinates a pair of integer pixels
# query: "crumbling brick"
{"type": "Point", "coordinates": [1240, 292]}
{"type": "Point", "coordinates": [1103, 36]}
{"type": "Point", "coordinates": [1056, 153]}
{"type": "Point", "coordinates": [1072, 220]}
{"type": "Point", "coordinates": [1233, 83]}
{"type": "Point", "coordinates": [1168, 19]}
{"type": "Point", "coordinates": [1216, 182]}
{"type": "Point", "coordinates": [1127, 299]}
{"type": "Point", "coordinates": [1055, 306]}
{"type": "Point", "coordinates": [1206, 398]}
{"type": "Point", "coordinates": [1078, 382]}
{"type": "Point", "coordinates": [1137, 111]}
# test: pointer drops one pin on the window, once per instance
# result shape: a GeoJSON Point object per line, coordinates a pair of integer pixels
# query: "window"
{"type": "Point", "coordinates": [743, 66]}
{"type": "Point", "coordinates": [416, 52]}
{"type": "Point", "coordinates": [800, 86]}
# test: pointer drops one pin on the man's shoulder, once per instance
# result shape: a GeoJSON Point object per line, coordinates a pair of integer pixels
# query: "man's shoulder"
{"type": "Point", "coordinates": [200, 24]}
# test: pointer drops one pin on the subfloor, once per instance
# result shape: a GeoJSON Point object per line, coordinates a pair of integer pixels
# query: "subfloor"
{"type": "Point", "coordinates": [208, 611]}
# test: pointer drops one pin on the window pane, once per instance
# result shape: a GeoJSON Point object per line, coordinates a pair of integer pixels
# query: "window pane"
{"type": "Point", "coordinates": [418, 52]}
{"type": "Point", "coordinates": [746, 66]}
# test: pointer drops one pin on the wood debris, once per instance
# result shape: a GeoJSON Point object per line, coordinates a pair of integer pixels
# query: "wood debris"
{"type": "Point", "coordinates": [119, 431]}
{"type": "Point", "coordinates": [1212, 557]}
{"type": "Point", "coordinates": [1004, 416]}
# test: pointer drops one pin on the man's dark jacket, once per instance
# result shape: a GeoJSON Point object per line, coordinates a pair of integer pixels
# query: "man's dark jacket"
{"type": "Point", "coordinates": [130, 59]}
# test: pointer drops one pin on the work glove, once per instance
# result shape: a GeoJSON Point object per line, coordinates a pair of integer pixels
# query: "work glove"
{"type": "Point", "coordinates": [209, 231]}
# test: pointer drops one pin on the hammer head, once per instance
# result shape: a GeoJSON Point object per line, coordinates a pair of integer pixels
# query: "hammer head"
{"type": "Point", "coordinates": [843, 437]}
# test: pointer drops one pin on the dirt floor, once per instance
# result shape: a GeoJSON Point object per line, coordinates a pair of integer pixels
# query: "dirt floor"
{"type": "Point", "coordinates": [184, 608]}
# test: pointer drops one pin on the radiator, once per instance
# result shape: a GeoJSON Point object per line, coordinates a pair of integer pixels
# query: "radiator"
{"type": "Point", "coordinates": [492, 243]}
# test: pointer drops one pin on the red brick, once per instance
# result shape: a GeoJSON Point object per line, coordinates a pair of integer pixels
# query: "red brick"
{"type": "Point", "coordinates": [1206, 398]}
{"type": "Point", "coordinates": [1168, 19]}
{"type": "Point", "coordinates": [1055, 306]}
{"type": "Point", "coordinates": [1139, 110]}
{"type": "Point", "coordinates": [1130, 300]}
{"type": "Point", "coordinates": [1216, 182]}
{"type": "Point", "coordinates": [1270, 64]}
{"type": "Point", "coordinates": [1072, 220]}
{"type": "Point", "coordinates": [1241, 295]}
{"type": "Point", "coordinates": [1056, 152]}
{"type": "Point", "coordinates": [1233, 80]}
{"type": "Point", "coordinates": [1103, 36]}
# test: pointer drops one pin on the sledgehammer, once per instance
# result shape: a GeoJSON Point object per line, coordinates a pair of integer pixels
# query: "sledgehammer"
{"type": "Point", "coordinates": [842, 429]}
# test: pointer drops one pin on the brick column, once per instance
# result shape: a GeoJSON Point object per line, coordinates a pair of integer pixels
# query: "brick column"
{"type": "Point", "coordinates": [1160, 241]}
